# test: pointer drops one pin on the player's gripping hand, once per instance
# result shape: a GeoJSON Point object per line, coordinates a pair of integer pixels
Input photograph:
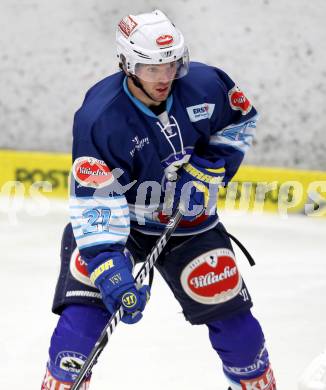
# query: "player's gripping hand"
{"type": "Point", "coordinates": [203, 178]}
{"type": "Point", "coordinates": [111, 272]}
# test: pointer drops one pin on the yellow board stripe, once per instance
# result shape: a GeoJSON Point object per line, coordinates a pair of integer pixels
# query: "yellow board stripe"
{"type": "Point", "coordinates": [31, 167]}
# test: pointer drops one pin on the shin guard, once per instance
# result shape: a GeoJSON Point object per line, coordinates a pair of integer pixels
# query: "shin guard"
{"type": "Point", "coordinates": [76, 333]}
{"type": "Point", "coordinates": [240, 343]}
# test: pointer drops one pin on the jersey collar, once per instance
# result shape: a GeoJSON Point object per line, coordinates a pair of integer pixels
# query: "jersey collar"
{"type": "Point", "coordinates": [141, 106]}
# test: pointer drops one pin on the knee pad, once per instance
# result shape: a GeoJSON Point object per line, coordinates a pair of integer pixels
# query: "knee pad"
{"type": "Point", "coordinates": [76, 333]}
{"type": "Point", "coordinates": [240, 343]}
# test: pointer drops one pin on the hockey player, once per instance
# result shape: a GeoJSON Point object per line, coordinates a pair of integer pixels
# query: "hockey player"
{"type": "Point", "coordinates": [159, 131]}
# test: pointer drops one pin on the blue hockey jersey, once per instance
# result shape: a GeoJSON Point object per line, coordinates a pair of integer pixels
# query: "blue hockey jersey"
{"type": "Point", "coordinates": [123, 152]}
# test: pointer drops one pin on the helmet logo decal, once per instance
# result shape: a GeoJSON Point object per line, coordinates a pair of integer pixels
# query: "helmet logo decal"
{"type": "Point", "coordinates": [127, 26]}
{"type": "Point", "coordinates": [164, 40]}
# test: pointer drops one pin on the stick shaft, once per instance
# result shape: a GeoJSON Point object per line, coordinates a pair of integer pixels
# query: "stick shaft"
{"type": "Point", "coordinates": [117, 315]}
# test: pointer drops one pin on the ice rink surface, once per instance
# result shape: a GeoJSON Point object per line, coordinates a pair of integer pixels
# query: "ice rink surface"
{"type": "Point", "coordinates": [163, 351]}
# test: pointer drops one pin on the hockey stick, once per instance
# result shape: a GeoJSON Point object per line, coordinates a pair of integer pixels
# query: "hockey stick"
{"type": "Point", "coordinates": [117, 315]}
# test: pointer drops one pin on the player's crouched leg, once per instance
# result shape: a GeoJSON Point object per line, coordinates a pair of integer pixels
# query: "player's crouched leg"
{"type": "Point", "coordinates": [77, 331]}
{"type": "Point", "coordinates": [240, 343]}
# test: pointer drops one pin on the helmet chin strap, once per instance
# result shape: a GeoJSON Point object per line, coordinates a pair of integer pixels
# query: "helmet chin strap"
{"type": "Point", "coordinates": [139, 85]}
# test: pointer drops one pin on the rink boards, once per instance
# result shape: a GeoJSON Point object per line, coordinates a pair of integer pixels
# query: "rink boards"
{"type": "Point", "coordinates": [257, 189]}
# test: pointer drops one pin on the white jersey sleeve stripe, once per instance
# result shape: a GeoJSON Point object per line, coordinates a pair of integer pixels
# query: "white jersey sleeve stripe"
{"type": "Point", "coordinates": [100, 221]}
{"type": "Point", "coordinates": [104, 242]}
{"type": "Point", "coordinates": [239, 136]}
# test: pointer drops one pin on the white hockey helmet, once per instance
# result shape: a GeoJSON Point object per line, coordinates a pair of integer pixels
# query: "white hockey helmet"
{"type": "Point", "coordinates": [151, 39]}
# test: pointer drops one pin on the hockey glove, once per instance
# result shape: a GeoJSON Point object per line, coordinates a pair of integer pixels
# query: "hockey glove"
{"type": "Point", "coordinates": [197, 186]}
{"type": "Point", "coordinates": [111, 272]}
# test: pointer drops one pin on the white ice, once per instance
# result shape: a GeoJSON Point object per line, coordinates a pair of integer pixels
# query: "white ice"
{"type": "Point", "coordinates": [163, 351]}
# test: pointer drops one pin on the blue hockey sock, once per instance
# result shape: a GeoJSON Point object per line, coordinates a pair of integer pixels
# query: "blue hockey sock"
{"type": "Point", "coordinates": [239, 341]}
{"type": "Point", "coordinates": [77, 331]}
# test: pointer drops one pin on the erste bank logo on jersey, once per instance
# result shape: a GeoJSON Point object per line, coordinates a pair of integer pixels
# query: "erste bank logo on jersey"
{"type": "Point", "coordinates": [200, 111]}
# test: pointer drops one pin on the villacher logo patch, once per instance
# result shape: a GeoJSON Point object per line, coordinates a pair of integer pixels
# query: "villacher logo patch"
{"type": "Point", "coordinates": [212, 277]}
{"type": "Point", "coordinates": [91, 172]}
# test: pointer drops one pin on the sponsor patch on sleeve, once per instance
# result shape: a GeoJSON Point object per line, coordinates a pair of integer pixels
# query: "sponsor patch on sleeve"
{"type": "Point", "coordinates": [212, 278]}
{"type": "Point", "coordinates": [238, 100]}
{"type": "Point", "coordinates": [91, 172]}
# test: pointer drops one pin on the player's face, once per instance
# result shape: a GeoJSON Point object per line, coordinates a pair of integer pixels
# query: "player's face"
{"type": "Point", "coordinates": [157, 79]}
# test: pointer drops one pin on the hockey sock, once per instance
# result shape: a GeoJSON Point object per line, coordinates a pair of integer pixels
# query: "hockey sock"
{"type": "Point", "coordinates": [51, 383]}
{"type": "Point", "coordinates": [77, 331]}
{"type": "Point", "coordinates": [240, 343]}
